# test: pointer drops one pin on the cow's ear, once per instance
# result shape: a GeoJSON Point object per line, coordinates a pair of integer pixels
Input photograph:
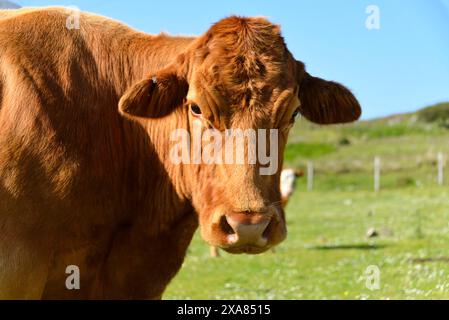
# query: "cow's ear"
{"type": "Point", "coordinates": [299, 173]}
{"type": "Point", "coordinates": [155, 96]}
{"type": "Point", "coordinates": [325, 102]}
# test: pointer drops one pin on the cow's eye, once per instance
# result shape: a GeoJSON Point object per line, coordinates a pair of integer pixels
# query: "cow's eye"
{"type": "Point", "coordinates": [195, 109]}
{"type": "Point", "coordinates": [295, 115]}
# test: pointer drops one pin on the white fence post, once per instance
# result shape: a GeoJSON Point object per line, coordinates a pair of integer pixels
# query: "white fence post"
{"type": "Point", "coordinates": [376, 174]}
{"type": "Point", "coordinates": [440, 177]}
{"type": "Point", "coordinates": [309, 176]}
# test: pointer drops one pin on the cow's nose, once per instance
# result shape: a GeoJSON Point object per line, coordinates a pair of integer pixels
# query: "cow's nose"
{"type": "Point", "coordinates": [246, 229]}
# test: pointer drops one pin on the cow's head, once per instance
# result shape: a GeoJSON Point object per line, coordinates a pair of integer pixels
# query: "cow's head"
{"type": "Point", "coordinates": [288, 182]}
{"type": "Point", "coordinates": [239, 75]}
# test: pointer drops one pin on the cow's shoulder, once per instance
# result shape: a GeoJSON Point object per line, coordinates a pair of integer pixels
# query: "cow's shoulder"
{"type": "Point", "coordinates": [57, 43]}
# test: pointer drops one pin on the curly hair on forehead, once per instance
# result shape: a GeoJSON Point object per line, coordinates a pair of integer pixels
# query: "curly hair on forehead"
{"type": "Point", "coordinates": [245, 53]}
{"type": "Point", "coordinates": [252, 31]}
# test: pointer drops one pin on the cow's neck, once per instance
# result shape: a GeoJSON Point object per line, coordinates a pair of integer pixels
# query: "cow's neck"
{"type": "Point", "coordinates": [170, 185]}
{"type": "Point", "coordinates": [159, 185]}
{"type": "Point", "coordinates": [128, 56]}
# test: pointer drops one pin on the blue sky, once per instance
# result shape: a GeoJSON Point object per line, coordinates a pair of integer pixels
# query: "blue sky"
{"type": "Point", "coordinates": [400, 67]}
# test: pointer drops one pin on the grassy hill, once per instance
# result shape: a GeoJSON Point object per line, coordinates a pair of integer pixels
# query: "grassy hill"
{"type": "Point", "coordinates": [327, 252]}
{"type": "Point", "coordinates": [343, 155]}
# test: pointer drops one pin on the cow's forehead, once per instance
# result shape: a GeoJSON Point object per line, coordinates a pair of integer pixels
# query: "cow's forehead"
{"type": "Point", "coordinates": [241, 56]}
{"type": "Point", "coordinates": [230, 84]}
{"type": "Point", "coordinates": [241, 94]}
{"type": "Point", "coordinates": [247, 68]}
{"type": "Point", "coordinates": [241, 68]}
{"type": "Point", "coordinates": [236, 34]}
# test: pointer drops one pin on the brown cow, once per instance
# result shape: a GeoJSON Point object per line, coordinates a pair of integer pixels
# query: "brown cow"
{"type": "Point", "coordinates": [83, 183]}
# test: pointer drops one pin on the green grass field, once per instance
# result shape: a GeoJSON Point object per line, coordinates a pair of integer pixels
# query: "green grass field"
{"type": "Point", "coordinates": [327, 253]}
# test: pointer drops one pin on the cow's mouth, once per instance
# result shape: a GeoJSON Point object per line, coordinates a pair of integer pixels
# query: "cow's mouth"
{"type": "Point", "coordinates": [247, 249]}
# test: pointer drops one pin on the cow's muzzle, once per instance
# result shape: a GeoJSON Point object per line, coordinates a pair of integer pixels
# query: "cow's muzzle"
{"type": "Point", "coordinates": [251, 232]}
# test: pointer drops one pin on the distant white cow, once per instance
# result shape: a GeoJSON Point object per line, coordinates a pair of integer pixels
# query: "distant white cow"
{"type": "Point", "coordinates": [288, 183]}
{"type": "Point", "coordinates": [288, 186]}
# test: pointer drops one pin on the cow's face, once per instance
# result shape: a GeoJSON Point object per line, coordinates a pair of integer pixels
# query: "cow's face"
{"type": "Point", "coordinates": [238, 91]}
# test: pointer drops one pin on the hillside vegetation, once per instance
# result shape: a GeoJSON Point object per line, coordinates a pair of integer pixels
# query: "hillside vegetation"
{"type": "Point", "coordinates": [343, 155]}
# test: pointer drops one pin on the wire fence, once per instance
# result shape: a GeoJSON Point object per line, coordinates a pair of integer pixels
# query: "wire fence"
{"type": "Point", "coordinates": [418, 171]}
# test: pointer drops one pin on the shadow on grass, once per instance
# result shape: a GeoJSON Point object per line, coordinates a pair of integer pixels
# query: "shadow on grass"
{"type": "Point", "coordinates": [359, 246]}
{"type": "Point", "coordinates": [427, 260]}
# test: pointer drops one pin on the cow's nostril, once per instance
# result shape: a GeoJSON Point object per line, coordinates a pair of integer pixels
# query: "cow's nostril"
{"type": "Point", "coordinates": [267, 231]}
{"type": "Point", "coordinates": [225, 227]}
